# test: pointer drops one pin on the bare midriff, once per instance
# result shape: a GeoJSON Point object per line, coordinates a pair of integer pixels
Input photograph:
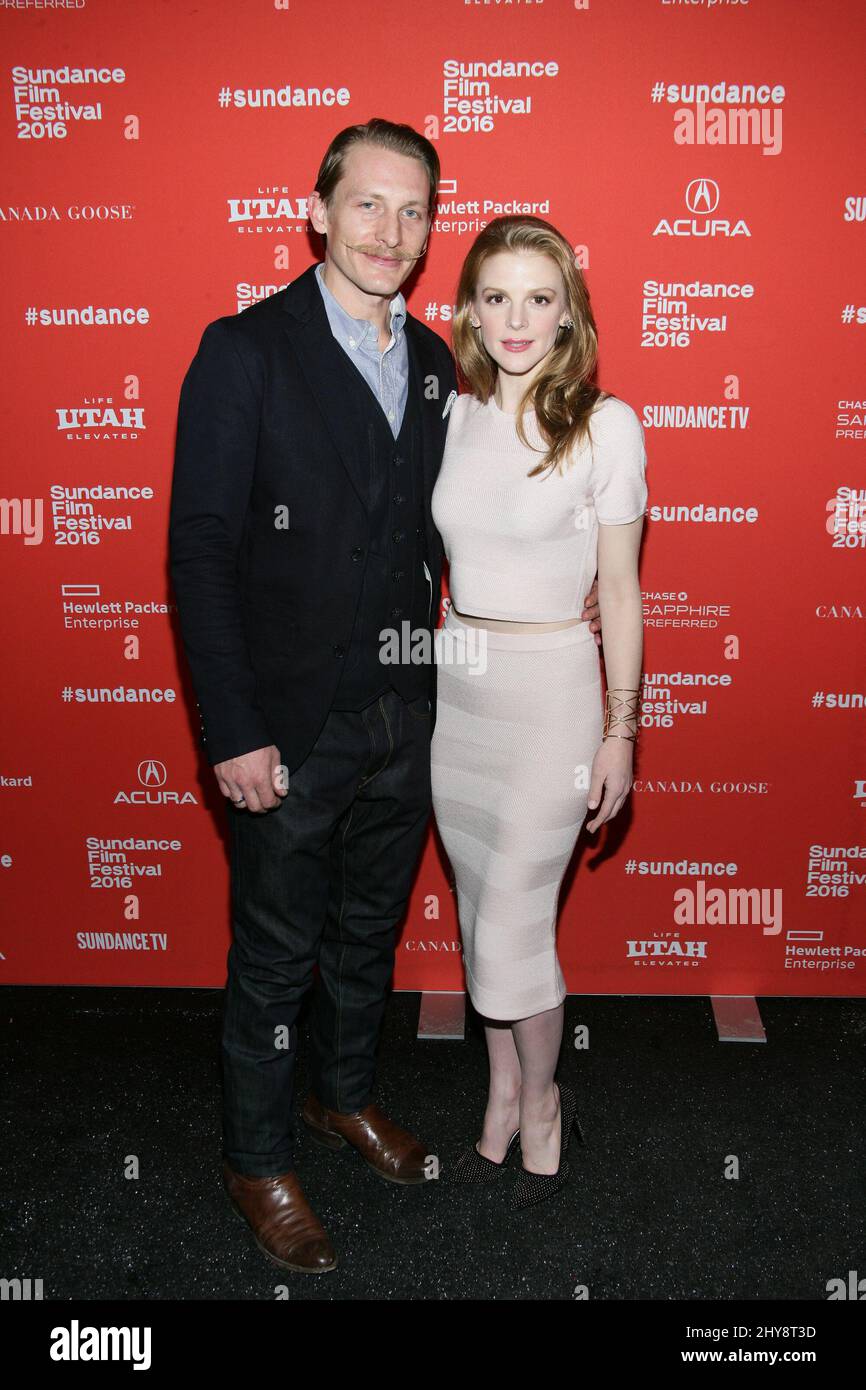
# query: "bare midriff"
{"type": "Point", "coordinates": [500, 625]}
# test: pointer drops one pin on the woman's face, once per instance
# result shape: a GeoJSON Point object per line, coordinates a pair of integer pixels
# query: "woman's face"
{"type": "Point", "coordinates": [520, 303]}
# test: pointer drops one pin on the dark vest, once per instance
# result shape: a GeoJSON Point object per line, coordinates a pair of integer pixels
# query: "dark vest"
{"type": "Point", "coordinates": [395, 592]}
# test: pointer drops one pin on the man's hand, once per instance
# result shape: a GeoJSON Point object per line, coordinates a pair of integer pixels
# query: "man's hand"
{"type": "Point", "coordinates": [592, 612]}
{"type": "Point", "coordinates": [256, 779]}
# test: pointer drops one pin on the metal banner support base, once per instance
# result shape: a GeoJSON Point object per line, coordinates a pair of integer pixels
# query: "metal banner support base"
{"type": "Point", "coordinates": [737, 1018]}
{"type": "Point", "coordinates": [442, 1015]}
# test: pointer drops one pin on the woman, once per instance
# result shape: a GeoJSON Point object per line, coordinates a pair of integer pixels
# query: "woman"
{"type": "Point", "coordinates": [543, 477]}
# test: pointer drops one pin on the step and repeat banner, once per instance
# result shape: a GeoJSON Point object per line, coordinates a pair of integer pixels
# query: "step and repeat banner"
{"type": "Point", "coordinates": [706, 160]}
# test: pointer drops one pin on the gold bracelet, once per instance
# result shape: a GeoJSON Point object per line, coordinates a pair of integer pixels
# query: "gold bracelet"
{"type": "Point", "coordinates": [611, 714]}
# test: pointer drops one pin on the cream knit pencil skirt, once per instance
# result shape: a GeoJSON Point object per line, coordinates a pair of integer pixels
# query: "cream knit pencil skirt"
{"type": "Point", "coordinates": [518, 722]}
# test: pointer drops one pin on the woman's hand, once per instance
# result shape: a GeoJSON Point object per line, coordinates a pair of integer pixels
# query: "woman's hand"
{"type": "Point", "coordinates": [612, 773]}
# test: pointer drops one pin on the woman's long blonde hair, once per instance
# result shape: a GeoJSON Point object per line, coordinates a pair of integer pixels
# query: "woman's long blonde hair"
{"type": "Point", "coordinates": [562, 396]}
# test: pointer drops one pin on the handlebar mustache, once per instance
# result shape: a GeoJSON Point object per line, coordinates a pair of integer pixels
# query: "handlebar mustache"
{"type": "Point", "coordinates": [388, 255]}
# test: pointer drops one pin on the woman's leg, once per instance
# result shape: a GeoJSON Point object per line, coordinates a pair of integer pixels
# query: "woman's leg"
{"type": "Point", "coordinates": [537, 1042]}
{"type": "Point", "coordinates": [503, 1101]}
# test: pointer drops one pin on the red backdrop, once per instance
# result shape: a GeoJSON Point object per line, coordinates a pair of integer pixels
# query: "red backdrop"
{"type": "Point", "coordinates": [706, 161]}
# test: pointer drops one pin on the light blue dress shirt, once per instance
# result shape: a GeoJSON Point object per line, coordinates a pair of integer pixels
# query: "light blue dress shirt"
{"type": "Point", "coordinates": [386, 373]}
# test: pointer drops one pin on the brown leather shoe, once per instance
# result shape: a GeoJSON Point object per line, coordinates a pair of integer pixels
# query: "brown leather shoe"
{"type": "Point", "coordinates": [285, 1227]}
{"type": "Point", "coordinates": [391, 1152]}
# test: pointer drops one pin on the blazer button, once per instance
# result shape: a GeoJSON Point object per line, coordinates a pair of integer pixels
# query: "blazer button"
{"type": "Point", "coordinates": [357, 552]}
{"type": "Point", "coordinates": [339, 650]}
{"type": "Point", "coordinates": [397, 536]}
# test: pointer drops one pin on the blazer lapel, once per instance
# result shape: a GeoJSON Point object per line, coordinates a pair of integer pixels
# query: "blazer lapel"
{"type": "Point", "coordinates": [309, 334]}
{"type": "Point", "coordinates": [416, 369]}
{"type": "Point", "coordinates": [423, 366]}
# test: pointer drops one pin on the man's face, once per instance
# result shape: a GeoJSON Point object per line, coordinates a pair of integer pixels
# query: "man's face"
{"type": "Point", "coordinates": [378, 222]}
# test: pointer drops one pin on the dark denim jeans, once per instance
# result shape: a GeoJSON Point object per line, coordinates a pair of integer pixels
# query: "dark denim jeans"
{"type": "Point", "coordinates": [323, 877]}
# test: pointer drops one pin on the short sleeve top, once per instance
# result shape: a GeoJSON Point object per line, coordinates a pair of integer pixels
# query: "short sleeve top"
{"type": "Point", "coordinates": [525, 549]}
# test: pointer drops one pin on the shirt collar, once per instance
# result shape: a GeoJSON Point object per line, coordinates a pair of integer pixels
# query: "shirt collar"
{"type": "Point", "coordinates": [356, 331]}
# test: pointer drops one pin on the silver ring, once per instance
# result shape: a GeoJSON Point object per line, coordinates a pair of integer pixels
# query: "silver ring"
{"type": "Point", "coordinates": [240, 802]}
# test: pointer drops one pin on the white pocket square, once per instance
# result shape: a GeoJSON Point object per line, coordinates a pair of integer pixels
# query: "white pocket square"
{"type": "Point", "coordinates": [448, 404]}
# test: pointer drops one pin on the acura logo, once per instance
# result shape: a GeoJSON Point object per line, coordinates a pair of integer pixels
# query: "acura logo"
{"type": "Point", "coordinates": [151, 773]}
{"type": "Point", "coordinates": [702, 196]}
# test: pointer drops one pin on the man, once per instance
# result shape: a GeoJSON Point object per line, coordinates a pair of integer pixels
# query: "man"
{"type": "Point", "coordinates": [310, 432]}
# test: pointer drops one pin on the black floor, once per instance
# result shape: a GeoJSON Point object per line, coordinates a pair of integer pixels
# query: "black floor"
{"type": "Point", "coordinates": [94, 1076]}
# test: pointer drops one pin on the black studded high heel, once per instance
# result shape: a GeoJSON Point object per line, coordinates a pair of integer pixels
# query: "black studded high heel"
{"type": "Point", "coordinates": [472, 1166]}
{"type": "Point", "coordinates": [529, 1187]}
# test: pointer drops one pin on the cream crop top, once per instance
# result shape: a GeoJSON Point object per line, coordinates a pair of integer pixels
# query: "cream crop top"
{"type": "Point", "coordinates": [525, 549]}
